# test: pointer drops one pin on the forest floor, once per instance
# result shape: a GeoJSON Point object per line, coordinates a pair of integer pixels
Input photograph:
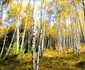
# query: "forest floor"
{"type": "Point", "coordinates": [50, 61]}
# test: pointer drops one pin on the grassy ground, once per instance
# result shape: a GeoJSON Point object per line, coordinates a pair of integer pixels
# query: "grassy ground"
{"type": "Point", "coordinates": [50, 61]}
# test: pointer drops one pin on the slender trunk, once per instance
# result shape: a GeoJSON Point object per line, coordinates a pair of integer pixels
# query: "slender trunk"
{"type": "Point", "coordinates": [59, 37]}
{"type": "Point", "coordinates": [83, 2]}
{"type": "Point", "coordinates": [29, 40]}
{"type": "Point", "coordinates": [22, 43]}
{"type": "Point", "coordinates": [1, 11]}
{"type": "Point", "coordinates": [4, 42]}
{"type": "Point", "coordinates": [48, 42]}
{"type": "Point", "coordinates": [18, 37]}
{"type": "Point", "coordinates": [33, 50]}
{"type": "Point", "coordinates": [29, 33]}
{"type": "Point", "coordinates": [63, 40]}
{"type": "Point", "coordinates": [59, 42]}
{"type": "Point", "coordinates": [42, 46]}
{"type": "Point", "coordinates": [79, 21]}
{"type": "Point", "coordinates": [77, 43]}
{"type": "Point", "coordinates": [40, 38]}
{"type": "Point", "coordinates": [77, 40]}
{"type": "Point", "coordinates": [33, 42]}
{"type": "Point", "coordinates": [18, 29]}
{"type": "Point", "coordinates": [10, 43]}
{"type": "Point", "coordinates": [39, 50]}
{"type": "Point", "coordinates": [73, 46]}
{"type": "Point", "coordinates": [43, 35]}
{"type": "Point", "coordinates": [74, 37]}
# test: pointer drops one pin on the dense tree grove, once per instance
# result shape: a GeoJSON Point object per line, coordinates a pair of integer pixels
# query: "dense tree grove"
{"type": "Point", "coordinates": [33, 26]}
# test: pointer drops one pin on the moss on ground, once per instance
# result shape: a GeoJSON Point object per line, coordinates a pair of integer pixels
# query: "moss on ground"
{"type": "Point", "coordinates": [50, 61]}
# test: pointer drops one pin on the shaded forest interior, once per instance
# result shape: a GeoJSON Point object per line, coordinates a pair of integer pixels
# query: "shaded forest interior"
{"type": "Point", "coordinates": [42, 35]}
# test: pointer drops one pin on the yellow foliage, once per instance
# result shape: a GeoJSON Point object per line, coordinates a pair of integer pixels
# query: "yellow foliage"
{"type": "Point", "coordinates": [53, 32]}
{"type": "Point", "coordinates": [14, 10]}
{"type": "Point", "coordinates": [81, 15]}
{"type": "Point", "coordinates": [24, 6]}
{"type": "Point", "coordinates": [63, 2]}
{"type": "Point", "coordinates": [2, 29]}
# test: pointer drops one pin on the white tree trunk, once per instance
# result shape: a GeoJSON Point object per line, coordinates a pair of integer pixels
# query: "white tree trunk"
{"type": "Point", "coordinates": [77, 43]}
{"type": "Point", "coordinates": [23, 35]}
{"type": "Point", "coordinates": [33, 50]}
{"type": "Point", "coordinates": [42, 47]}
{"type": "Point", "coordinates": [18, 38]}
{"type": "Point", "coordinates": [59, 42]}
{"type": "Point", "coordinates": [39, 50]}
{"type": "Point", "coordinates": [22, 43]}
{"type": "Point", "coordinates": [4, 42]}
{"type": "Point", "coordinates": [10, 43]}
{"type": "Point", "coordinates": [1, 11]}
{"type": "Point", "coordinates": [33, 42]}
{"type": "Point", "coordinates": [43, 32]}
{"type": "Point", "coordinates": [78, 20]}
{"type": "Point", "coordinates": [77, 40]}
{"type": "Point", "coordinates": [19, 19]}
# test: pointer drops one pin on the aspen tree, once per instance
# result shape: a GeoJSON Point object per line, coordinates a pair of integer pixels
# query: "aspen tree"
{"type": "Point", "coordinates": [40, 36]}
{"type": "Point", "coordinates": [5, 36]}
{"type": "Point", "coordinates": [34, 33]}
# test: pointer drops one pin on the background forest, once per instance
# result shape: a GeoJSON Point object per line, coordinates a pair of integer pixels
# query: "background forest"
{"type": "Point", "coordinates": [42, 34]}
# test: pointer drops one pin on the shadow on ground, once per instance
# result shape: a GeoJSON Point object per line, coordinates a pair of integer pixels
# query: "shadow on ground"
{"type": "Point", "coordinates": [81, 65]}
{"type": "Point", "coordinates": [70, 62]}
{"type": "Point", "coordinates": [12, 63]}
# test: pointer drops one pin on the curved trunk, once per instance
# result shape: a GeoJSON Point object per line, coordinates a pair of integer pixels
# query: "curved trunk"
{"type": "Point", "coordinates": [22, 43]}
{"type": "Point", "coordinates": [4, 42]}
{"type": "Point", "coordinates": [10, 43]}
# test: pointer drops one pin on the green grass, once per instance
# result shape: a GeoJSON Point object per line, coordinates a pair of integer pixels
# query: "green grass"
{"type": "Point", "coordinates": [50, 61]}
